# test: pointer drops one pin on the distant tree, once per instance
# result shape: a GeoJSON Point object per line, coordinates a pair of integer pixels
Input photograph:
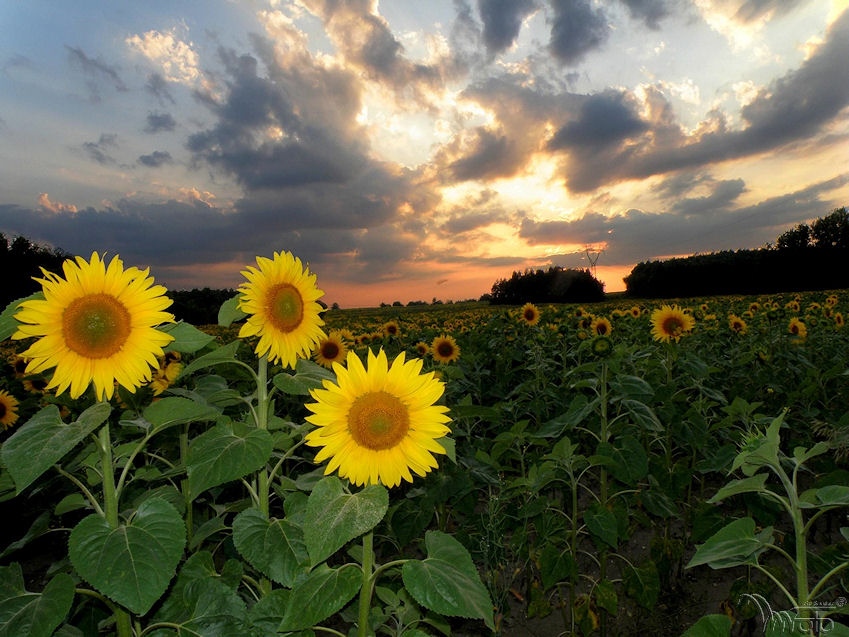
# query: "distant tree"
{"type": "Point", "coordinates": [831, 231]}
{"type": "Point", "coordinates": [20, 261]}
{"type": "Point", "coordinates": [798, 237]}
{"type": "Point", "coordinates": [555, 285]}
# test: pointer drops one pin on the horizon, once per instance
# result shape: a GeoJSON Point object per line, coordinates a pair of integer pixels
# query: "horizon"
{"type": "Point", "coordinates": [409, 152]}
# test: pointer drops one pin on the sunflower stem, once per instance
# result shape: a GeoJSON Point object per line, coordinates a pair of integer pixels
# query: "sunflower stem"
{"type": "Point", "coordinates": [367, 585]}
{"type": "Point", "coordinates": [262, 423]}
{"type": "Point", "coordinates": [123, 623]}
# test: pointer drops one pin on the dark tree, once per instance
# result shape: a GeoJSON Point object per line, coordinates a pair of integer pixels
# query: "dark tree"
{"type": "Point", "coordinates": [798, 237]}
{"type": "Point", "coordinates": [831, 231]}
{"type": "Point", "coordinates": [20, 261]}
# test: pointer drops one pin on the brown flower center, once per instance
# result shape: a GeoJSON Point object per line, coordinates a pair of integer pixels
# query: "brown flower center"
{"type": "Point", "coordinates": [329, 350]}
{"type": "Point", "coordinates": [378, 420]}
{"type": "Point", "coordinates": [673, 326]}
{"type": "Point", "coordinates": [96, 325]}
{"type": "Point", "coordinates": [285, 307]}
{"type": "Point", "coordinates": [445, 349]}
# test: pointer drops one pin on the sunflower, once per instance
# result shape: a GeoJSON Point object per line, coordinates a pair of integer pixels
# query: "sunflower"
{"type": "Point", "coordinates": [330, 350]}
{"type": "Point", "coordinates": [35, 385]}
{"type": "Point", "coordinates": [97, 325]}
{"type": "Point", "coordinates": [19, 366]}
{"type": "Point", "coordinates": [169, 369]}
{"type": "Point", "coordinates": [529, 314]}
{"type": "Point", "coordinates": [422, 348]}
{"type": "Point", "coordinates": [838, 320]}
{"type": "Point", "coordinates": [281, 300]}
{"type": "Point", "coordinates": [635, 311]}
{"type": "Point", "coordinates": [377, 423]}
{"type": "Point", "coordinates": [600, 326]}
{"type": "Point", "coordinates": [391, 329]}
{"type": "Point", "coordinates": [737, 324]}
{"type": "Point", "coordinates": [670, 322]}
{"type": "Point", "coordinates": [797, 328]}
{"type": "Point", "coordinates": [444, 349]}
{"type": "Point", "coordinates": [8, 409]}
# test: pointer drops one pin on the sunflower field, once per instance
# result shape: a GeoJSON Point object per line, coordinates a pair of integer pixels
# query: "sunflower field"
{"type": "Point", "coordinates": [621, 468]}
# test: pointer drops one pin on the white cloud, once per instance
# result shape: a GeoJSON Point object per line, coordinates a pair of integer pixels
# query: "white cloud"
{"type": "Point", "coordinates": [177, 59]}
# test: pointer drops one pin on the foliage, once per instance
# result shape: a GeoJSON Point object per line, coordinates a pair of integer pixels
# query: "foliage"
{"type": "Point", "coordinates": [555, 285]}
{"type": "Point", "coordinates": [20, 261]}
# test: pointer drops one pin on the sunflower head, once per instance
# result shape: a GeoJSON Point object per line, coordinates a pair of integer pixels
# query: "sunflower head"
{"type": "Point", "coordinates": [8, 409]}
{"type": "Point", "coordinates": [670, 323]}
{"type": "Point", "coordinates": [95, 326]}
{"type": "Point", "coordinates": [529, 314]}
{"type": "Point", "coordinates": [797, 328]}
{"type": "Point", "coordinates": [422, 349]}
{"type": "Point", "coordinates": [281, 300]}
{"type": "Point", "coordinates": [737, 324]}
{"type": "Point", "coordinates": [330, 350]}
{"type": "Point", "coordinates": [445, 349]}
{"type": "Point", "coordinates": [391, 329]}
{"type": "Point", "coordinates": [602, 346]}
{"type": "Point", "coordinates": [838, 320]}
{"type": "Point", "coordinates": [378, 423]}
{"type": "Point", "coordinates": [601, 326]}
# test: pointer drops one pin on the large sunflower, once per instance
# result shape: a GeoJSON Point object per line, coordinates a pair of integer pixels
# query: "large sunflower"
{"type": "Point", "coordinates": [97, 325]}
{"type": "Point", "coordinates": [8, 409]}
{"type": "Point", "coordinates": [670, 323]}
{"type": "Point", "coordinates": [378, 423]}
{"type": "Point", "coordinates": [281, 300]}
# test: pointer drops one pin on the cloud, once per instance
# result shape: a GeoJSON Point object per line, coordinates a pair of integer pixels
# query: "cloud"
{"type": "Point", "coordinates": [604, 119]}
{"type": "Point", "coordinates": [576, 29]}
{"type": "Point", "coordinates": [176, 59]}
{"type": "Point", "coordinates": [502, 20]}
{"type": "Point", "coordinates": [157, 122]}
{"type": "Point", "coordinates": [46, 205]}
{"type": "Point", "coordinates": [156, 159]}
{"type": "Point", "coordinates": [651, 12]}
{"type": "Point", "coordinates": [97, 71]}
{"type": "Point", "coordinates": [99, 150]}
{"type": "Point", "coordinates": [157, 86]}
{"type": "Point", "coordinates": [487, 154]}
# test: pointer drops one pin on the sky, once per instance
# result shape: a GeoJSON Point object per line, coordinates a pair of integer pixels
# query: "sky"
{"type": "Point", "coordinates": [416, 150]}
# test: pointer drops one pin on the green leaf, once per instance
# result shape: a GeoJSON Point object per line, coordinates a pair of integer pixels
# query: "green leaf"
{"type": "Point", "coordinates": [221, 455]}
{"type": "Point", "coordinates": [32, 614]}
{"type": "Point", "coordinates": [322, 593]}
{"type": "Point", "coordinates": [626, 461]}
{"type": "Point", "coordinates": [274, 547]}
{"type": "Point", "coordinates": [218, 356]}
{"type": "Point", "coordinates": [229, 312]}
{"type": "Point", "coordinates": [447, 581]}
{"type": "Point", "coordinates": [606, 597]}
{"type": "Point", "coordinates": [269, 611]}
{"type": "Point", "coordinates": [44, 439]}
{"type": "Point", "coordinates": [710, 626]}
{"type": "Point", "coordinates": [174, 410]}
{"type": "Point", "coordinates": [334, 517]}
{"type": "Point", "coordinates": [307, 376]}
{"type": "Point", "coordinates": [733, 545]}
{"type": "Point", "coordinates": [133, 562]}
{"type": "Point", "coordinates": [601, 523]}
{"type": "Point", "coordinates": [833, 495]}
{"type": "Point", "coordinates": [8, 323]}
{"type": "Point", "coordinates": [187, 338]}
{"type": "Point", "coordinates": [752, 484]}
{"type": "Point", "coordinates": [38, 528]}
{"type": "Point", "coordinates": [556, 566]}
{"type": "Point", "coordinates": [800, 454]}
{"type": "Point", "coordinates": [642, 583]}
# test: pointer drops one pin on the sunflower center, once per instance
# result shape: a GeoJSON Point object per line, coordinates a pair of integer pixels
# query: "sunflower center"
{"type": "Point", "coordinates": [673, 326]}
{"type": "Point", "coordinates": [601, 329]}
{"type": "Point", "coordinates": [329, 350]}
{"type": "Point", "coordinates": [285, 307]}
{"type": "Point", "coordinates": [445, 349]}
{"type": "Point", "coordinates": [96, 325]}
{"type": "Point", "coordinates": [2, 410]}
{"type": "Point", "coordinates": [378, 420]}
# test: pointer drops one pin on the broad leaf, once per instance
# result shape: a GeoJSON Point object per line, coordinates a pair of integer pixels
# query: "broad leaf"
{"type": "Point", "coordinates": [626, 460]}
{"type": "Point", "coordinates": [45, 439]}
{"type": "Point", "coordinates": [333, 517]}
{"type": "Point", "coordinates": [752, 484]}
{"type": "Point", "coordinates": [710, 626]}
{"type": "Point", "coordinates": [133, 563]}
{"type": "Point", "coordinates": [219, 356]}
{"type": "Point", "coordinates": [447, 581]}
{"type": "Point", "coordinates": [308, 375]}
{"type": "Point", "coordinates": [606, 597]}
{"type": "Point", "coordinates": [32, 614]}
{"type": "Point", "coordinates": [274, 547]}
{"type": "Point", "coordinates": [187, 338]}
{"type": "Point", "coordinates": [174, 410]}
{"type": "Point", "coordinates": [732, 545]}
{"type": "Point", "coordinates": [319, 595]}
{"type": "Point", "coordinates": [229, 312]}
{"type": "Point", "coordinates": [642, 583]}
{"type": "Point", "coordinates": [221, 455]}
{"type": "Point", "coordinates": [601, 523]}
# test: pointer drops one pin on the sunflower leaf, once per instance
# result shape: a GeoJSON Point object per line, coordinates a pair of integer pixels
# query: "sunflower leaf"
{"type": "Point", "coordinates": [134, 562]}
{"type": "Point", "coordinates": [334, 517]}
{"type": "Point", "coordinates": [44, 439]}
{"type": "Point", "coordinates": [229, 312]}
{"type": "Point", "coordinates": [187, 338]}
{"type": "Point", "coordinates": [320, 594]}
{"type": "Point", "coordinates": [447, 581]}
{"type": "Point", "coordinates": [32, 614]}
{"type": "Point", "coordinates": [273, 547]}
{"type": "Point", "coordinates": [221, 455]}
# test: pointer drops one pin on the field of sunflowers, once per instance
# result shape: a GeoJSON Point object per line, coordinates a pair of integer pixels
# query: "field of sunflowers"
{"type": "Point", "coordinates": [623, 468]}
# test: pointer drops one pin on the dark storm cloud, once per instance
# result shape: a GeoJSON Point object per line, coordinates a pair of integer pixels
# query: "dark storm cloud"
{"type": "Point", "coordinates": [794, 109]}
{"type": "Point", "coordinates": [638, 235]}
{"type": "Point", "coordinates": [491, 155]}
{"type": "Point", "coordinates": [157, 86]}
{"type": "Point", "coordinates": [155, 159]}
{"type": "Point", "coordinates": [99, 150]}
{"type": "Point", "coordinates": [576, 29]}
{"type": "Point", "coordinates": [97, 71]}
{"type": "Point", "coordinates": [651, 12]}
{"type": "Point", "coordinates": [605, 118]}
{"type": "Point", "coordinates": [502, 20]}
{"type": "Point", "coordinates": [158, 122]}
{"type": "Point", "coordinates": [724, 193]}
{"type": "Point", "coordinates": [462, 222]}
{"type": "Point", "coordinates": [751, 10]}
